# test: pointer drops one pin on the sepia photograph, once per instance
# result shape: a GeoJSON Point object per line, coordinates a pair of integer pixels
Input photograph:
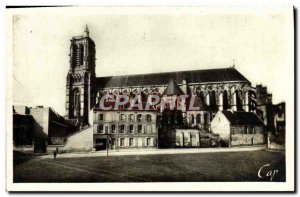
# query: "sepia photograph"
{"type": "Point", "coordinates": [150, 98]}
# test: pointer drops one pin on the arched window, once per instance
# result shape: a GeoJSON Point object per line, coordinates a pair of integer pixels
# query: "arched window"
{"type": "Point", "coordinates": [148, 118]}
{"type": "Point", "coordinates": [139, 117]}
{"type": "Point", "coordinates": [198, 118]}
{"type": "Point", "coordinates": [206, 119]}
{"type": "Point", "coordinates": [193, 119]}
{"type": "Point", "coordinates": [239, 101]}
{"type": "Point", "coordinates": [131, 117]}
{"type": "Point", "coordinates": [76, 99]}
{"type": "Point", "coordinates": [122, 117]}
{"type": "Point", "coordinates": [202, 98]}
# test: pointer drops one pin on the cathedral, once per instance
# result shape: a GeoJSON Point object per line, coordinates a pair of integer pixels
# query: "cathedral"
{"type": "Point", "coordinates": [212, 90]}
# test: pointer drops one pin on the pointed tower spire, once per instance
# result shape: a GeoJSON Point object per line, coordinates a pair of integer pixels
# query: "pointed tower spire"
{"type": "Point", "coordinates": [86, 31]}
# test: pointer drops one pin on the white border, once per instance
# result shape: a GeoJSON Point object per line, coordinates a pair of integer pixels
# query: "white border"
{"type": "Point", "coordinates": [201, 186]}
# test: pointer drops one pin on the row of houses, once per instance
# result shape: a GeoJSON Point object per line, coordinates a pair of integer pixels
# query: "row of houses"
{"type": "Point", "coordinates": [40, 129]}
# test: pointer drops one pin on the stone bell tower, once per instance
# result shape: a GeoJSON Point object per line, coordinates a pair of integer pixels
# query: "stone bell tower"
{"type": "Point", "coordinates": [80, 78]}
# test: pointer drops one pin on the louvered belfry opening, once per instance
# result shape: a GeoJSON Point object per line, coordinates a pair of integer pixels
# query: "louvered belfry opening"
{"type": "Point", "coordinates": [79, 52]}
{"type": "Point", "coordinates": [76, 50]}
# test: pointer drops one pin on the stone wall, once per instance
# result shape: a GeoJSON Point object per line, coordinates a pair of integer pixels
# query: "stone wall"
{"type": "Point", "coordinates": [80, 141]}
{"type": "Point", "coordinates": [187, 138]}
{"type": "Point", "coordinates": [247, 139]}
{"type": "Point", "coordinates": [21, 110]}
{"type": "Point", "coordinates": [221, 126]}
{"type": "Point", "coordinates": [247, 135]}
{"type": "Point", "coordinates": [41, 117]}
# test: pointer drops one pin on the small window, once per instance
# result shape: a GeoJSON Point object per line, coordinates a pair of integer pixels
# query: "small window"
{"type": "Point", "coordinates": [130, 128]}
{"type": "Point", "coordinates": [130, 141]}
{"type": "Point", "coordinates": [139, 118]}
{"type": "Point", "coordinates": [131, 117]}
{"type": "Point", "coordinates": [233, 131]}
{"type": "Point", "coordinates": [106, 129]}
{"type": "Point", "coordinates": [149, 128]}
{"type": "Point", "coordinates": [148, 118]}
{"type": "Point", "coordinates": [245, 130]}
{"type": "Point", "coordinates": [140, 128]}
{"type": "Point", "coordinates": [122, 141]}
{"type": "Point", "coordinates": [122, 128]}
{"type": "Point", "coordinates": [122, 117]}
{"type": "Point", "coordinates": [100, 117]}
{"type": "Point", "coordinates": [250, 130]}
{"type": "Point", "coordinates": [100, 128]}
{"type": "Point", "coordinates": [113, 128]}
{"type": "Point", "coordinates": [148, 141]}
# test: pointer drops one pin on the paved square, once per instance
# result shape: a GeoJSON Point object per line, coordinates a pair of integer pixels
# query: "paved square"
{"type": "Point", "coordinates": [225, 166]}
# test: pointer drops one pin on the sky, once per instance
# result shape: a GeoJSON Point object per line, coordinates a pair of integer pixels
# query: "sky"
{"type": "Point", "coordinates": [258, 40]}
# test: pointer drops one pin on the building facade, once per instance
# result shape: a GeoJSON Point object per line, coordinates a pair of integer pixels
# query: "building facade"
{"type": "Point", "coordinates": [239, 128]}
{"type": "Point", "coordinates": [210, 90]}
{"type": "Point", "coordinates": [124, 129]}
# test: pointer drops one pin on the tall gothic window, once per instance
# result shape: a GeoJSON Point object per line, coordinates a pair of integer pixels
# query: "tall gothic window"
{"type": "Point", "coordinates": [76, 103]}
{"type": "Point", "coordinates": [239, 101]}
{"type": "Point", "coordinates": [213, 102]}
{"type": "Point", "coordinates": [225, 100]}
{"type": "Point", "coordinates": [202, 98]}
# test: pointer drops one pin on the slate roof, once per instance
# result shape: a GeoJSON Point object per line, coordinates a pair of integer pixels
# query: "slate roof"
{"type": "Point", "coordinates": [243, 118]}
{"type": "Point", "coordinates": [72, 122]}
{"type": "Point", "coordinates": [172, 89]}
{"type": "Point", "coordinates": [194, 76]}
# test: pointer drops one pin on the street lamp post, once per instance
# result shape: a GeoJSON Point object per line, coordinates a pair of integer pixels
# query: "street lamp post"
{"type": "Point", "coordinates": [107, 142]}
{"type": "Point", "coordinates": [107, 145]}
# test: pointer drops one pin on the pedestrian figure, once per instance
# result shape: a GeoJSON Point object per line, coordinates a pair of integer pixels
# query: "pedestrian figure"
{"type": "Point", "coordinates": [57, 150]}
{"type": "Point", "coordinates": [54, 154]}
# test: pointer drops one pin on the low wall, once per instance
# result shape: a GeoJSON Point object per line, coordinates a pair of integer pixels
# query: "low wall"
{"type": "Point", "coordinates": [25, 148]}
{"type": "Point", "coordinates": [80, 141]}
{"type": "Point", "coordinates": [247, 139]}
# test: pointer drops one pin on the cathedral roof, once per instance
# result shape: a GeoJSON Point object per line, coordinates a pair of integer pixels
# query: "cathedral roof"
{"type": "Point", "coordinates": [172, 89]}
{"type": "Point", "coordinates": [194, 76]}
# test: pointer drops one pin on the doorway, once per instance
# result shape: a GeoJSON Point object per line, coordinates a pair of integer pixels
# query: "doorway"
{"type": "Point", "coordinates": [100, 144]}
